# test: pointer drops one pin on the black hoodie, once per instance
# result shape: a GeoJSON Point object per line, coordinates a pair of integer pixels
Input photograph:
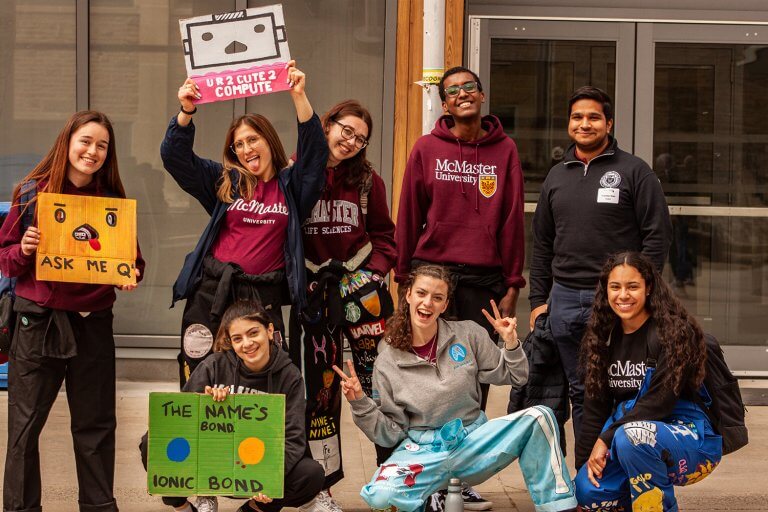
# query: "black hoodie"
{"type": "Point", "coordinates": [280, 376]}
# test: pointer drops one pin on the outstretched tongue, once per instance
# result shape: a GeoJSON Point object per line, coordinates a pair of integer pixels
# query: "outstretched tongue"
{"type": "Point", "coordinates": [95, 245]}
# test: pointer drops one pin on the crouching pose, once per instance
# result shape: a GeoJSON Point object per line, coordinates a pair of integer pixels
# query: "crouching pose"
{"type": "Point", "coordinates": [643, 431]}
{"type": "Point", "coordinates": [247, 360]}
{"type": "Point", "coordinates": [426, 401]}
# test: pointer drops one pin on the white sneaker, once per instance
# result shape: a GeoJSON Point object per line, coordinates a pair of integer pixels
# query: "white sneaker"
{"type": "Point", "coordinates": [323, 502]}
{"type": "Point", "coordinates": [207, 504]}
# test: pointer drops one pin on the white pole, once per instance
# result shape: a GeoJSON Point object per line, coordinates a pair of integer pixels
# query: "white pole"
{"type": "Point", "coordinates": [433, 62]}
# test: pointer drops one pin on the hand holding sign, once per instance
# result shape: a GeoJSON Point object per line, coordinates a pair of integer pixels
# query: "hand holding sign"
{"type": "Point", "coordinates": [30, 241]}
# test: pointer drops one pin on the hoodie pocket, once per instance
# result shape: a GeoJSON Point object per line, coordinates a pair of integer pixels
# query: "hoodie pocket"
{"type": "Point", "coordinates": [453, 242]}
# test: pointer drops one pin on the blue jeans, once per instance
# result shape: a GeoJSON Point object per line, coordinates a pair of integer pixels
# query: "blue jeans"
{"type": "Point", "coordinates": [425, 461]}
{"type": "Point", "coordinates": [648, 458]}
{"type": "Point", "coordinates": [569, 311]}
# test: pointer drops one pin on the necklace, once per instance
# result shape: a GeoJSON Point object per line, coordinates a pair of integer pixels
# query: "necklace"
{"type": "Point", "coordinates": [431, 352]}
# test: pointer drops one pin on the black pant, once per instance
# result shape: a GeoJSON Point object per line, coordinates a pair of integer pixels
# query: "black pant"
{"type": "Point", "coordinates": [221, 285]}
{"type": "Point", "coordinates": [33, 384]}
{"type": "Point", "coordinates": [302, 483]}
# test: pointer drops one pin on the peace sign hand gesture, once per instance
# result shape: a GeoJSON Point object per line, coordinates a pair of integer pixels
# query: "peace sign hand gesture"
{"type": "Point", "coordinates": [350, 386]}
{"type": "Point", "coordinates": [506, 327]}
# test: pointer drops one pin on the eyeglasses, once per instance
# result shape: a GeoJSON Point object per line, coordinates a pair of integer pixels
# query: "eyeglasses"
{"type": "Point", "coordinates": [239, 146]}
{"type": "Point", "coordinates": [453, 90]}
{"type": "Point", "coordinates": [349, 133]}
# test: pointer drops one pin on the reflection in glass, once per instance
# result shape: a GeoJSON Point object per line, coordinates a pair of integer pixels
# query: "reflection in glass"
{"type": "Point", "coordinates": [710, 137]}
{"type": "Point", "coordinates": [37, 84]}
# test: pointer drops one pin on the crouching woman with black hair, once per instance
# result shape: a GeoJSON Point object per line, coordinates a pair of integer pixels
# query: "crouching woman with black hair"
{"type": "Point", "coordinates": [643, 431]}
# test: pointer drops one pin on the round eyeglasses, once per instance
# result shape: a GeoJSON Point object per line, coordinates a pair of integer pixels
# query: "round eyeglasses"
{"type": "Point", "coordinates": [453, 90]}
{"type": "Point", "coordinates": [349, 133]}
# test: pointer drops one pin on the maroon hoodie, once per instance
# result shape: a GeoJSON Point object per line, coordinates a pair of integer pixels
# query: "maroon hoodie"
{"type": "Point", "coordinates": [338, 229]}
{"type": "Point", "coordinates": [51, 294]}
{"type": "Point", "coordinates": [462, 202]}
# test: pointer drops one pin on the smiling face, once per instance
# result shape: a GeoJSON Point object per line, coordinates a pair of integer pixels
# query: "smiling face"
{"type": "Point", "coordinates": [340, 147]}
{"type": "Point", "coordinates": [464, 105]}
{"type": "Point", "coordinates": [588, 127]}
{"type": "Point", "coordinates": [427, 299]}
{"type": "Point", "coordinates": [627, 293]}
{"type": "Point", "coordinates": [251, 342]}
{"type": "Point", "coordinates": [87, 152]}
{"type": "Point", "coordinates": [253, 152]}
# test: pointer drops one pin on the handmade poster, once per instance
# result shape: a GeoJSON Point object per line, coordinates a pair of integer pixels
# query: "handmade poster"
{"type": "Point", "coordinates": [85, 239]}
{"type": "Point", "coordinates": [237, 54]}
{"type": "Point", "coordinates": [200, 447]}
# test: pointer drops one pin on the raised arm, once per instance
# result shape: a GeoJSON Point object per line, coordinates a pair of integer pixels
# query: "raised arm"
{"type": "Point", "coordinates": [298, 80]}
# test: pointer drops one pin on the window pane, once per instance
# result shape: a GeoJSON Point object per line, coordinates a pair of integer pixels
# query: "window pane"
{"type": "Point", "coordinates": [137, 66]}
{"type": "Point", "coordinates": [710, 133]}
{"type": "Point", "coordinates": [37, 42]}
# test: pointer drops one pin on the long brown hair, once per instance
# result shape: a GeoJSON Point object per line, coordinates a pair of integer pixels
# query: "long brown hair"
{"type": "Point", "coordinates": [241, 309]}
{"type": "Point", "coordinates": [52, 169]}
{"type": "Point", "coordinates": [246, 181]}
{"type": "Point", "coordinates": [680, 335]}
{"type": "Point", "coordinates": [358, 167]}
{"type": "Point", "coordinates": [398, 332]}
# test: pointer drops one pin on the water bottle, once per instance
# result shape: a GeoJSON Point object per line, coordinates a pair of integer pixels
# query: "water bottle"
{"type": "Point", "coordinates": [453, 500]}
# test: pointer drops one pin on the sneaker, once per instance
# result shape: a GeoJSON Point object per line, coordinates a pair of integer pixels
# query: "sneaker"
{"type": "Point", "coordinates": [207, 504]}
{"type": "Point", "coordinates": [473, 500]}
{"type": "Point", "coordinates": [436, 502]}
{"type": "Point", "coordinates": [323, 502]}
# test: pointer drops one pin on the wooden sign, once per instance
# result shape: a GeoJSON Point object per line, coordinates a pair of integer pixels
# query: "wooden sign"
{"type": "Point", "coordinates": [200, 447]}
{"type": "Point", "coordinates": [85, 239]}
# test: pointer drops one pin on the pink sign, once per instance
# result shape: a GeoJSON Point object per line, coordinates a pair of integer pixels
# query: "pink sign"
{"type": "Point", "coordinates": [230, 85]}
{"type": "Point", "coordinates": [236, 54]}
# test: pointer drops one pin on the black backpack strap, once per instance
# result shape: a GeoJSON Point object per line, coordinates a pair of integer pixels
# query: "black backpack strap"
{"type": "Point", "coordinates": [27, 194]}
{"type": "Point", "coordinates": [365, 189]}
{"type": "Point", "coordinates": [654, 347]}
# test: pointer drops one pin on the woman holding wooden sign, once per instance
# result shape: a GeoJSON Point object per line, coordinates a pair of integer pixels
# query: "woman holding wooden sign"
{"type": "Point", "coordinates": [252, 247]}
{"type": "Point", "coordinates": [349, 247]}
{"type": "Point", "coordinates": [63, 330]}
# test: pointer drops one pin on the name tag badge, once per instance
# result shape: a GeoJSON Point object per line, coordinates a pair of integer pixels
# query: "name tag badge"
{"type": "Point", "coordinates": [608, 195]}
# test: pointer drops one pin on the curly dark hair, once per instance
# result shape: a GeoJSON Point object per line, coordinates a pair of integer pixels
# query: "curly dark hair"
{"type": "Point", "coordinates": [398, 332]}
{"type": "Point", "coordinates": [358, 167]}
{"type": "Point", "coordinates": [241, 309]}
{"type": "Point", "coordinates": [680, 335]}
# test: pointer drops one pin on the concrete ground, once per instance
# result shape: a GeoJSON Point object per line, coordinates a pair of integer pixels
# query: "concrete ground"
{"type": "Point", "coordinates": [737, 485]}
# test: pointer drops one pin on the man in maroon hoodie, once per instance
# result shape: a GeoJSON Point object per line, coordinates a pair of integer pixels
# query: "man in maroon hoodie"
{"type": "Point", "coordinates": [461, 205]}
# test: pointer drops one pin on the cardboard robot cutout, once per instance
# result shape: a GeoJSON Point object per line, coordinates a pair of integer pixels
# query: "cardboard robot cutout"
{"type": "Point", "coordinates": [237, 54]}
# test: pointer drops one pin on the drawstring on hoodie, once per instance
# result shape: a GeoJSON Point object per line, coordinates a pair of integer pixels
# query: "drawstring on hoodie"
{"type": "Point", "coordinates": [461, 170]}
{"type": "Point", "coordinates": [239, 363]}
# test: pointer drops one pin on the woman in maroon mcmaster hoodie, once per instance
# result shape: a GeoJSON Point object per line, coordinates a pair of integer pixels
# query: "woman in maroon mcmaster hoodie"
{"type": "Point", "coordinates": [63, 330]}
{"type": "Point", "coordinates": [349, 247]}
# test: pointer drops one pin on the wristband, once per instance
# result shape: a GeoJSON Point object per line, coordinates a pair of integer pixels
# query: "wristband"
{"type": "Point", "coordinates": [181, 108]}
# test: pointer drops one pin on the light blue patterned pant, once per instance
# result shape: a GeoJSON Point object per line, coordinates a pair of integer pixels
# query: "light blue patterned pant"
{"type": "Point", "coordinates": [428, 459]}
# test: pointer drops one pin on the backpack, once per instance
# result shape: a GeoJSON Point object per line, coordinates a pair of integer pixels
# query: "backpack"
{"type": "Point", "coordinates": [725, 408]}
{"type": "Point", "coordinates": [8, 284]}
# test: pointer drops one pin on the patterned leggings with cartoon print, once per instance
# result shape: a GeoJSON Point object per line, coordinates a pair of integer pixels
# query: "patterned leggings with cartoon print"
{"type": "Point", "coordinates": [648, 458]}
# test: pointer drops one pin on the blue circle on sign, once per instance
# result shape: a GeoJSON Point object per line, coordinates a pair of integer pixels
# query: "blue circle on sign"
{"type": "Point", "coordinates": [457, 352]}
{"type": "Point", "coordinates": [178, 449]}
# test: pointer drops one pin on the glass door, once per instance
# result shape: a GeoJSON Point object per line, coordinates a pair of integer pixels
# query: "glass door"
{"type": "Point", "coordinates": [709, 147]}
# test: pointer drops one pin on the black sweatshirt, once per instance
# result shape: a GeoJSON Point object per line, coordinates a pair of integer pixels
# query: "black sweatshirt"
{"type": "Point", "coordinates": [628, 355]}
{"type": "Point", "coordinates": [280, 376]}
{"type": "Point", "coordinates": [588, 211]}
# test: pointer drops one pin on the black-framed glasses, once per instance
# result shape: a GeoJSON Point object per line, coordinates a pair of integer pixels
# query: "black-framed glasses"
{"type": "Point", "coordinates": [239, 146]}
{"type": "Point", "coordinates": [453, 90]}
{"type": "Point", "coordinates": [349, 133]}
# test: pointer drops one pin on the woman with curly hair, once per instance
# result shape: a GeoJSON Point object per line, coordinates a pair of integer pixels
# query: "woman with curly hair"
{"type": "Point", "coordinates": [426, 402]}
{"type": "Point", "coordinates": [643, 431]}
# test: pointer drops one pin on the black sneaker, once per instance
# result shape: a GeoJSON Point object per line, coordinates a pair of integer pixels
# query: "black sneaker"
{"type": "Point", "coordinates": [473, 500]}
{"type": "Point", "coordinates": [436, 502]}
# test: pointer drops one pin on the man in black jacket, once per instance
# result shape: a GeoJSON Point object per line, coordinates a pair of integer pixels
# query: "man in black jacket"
{"type": "Point", "coordinates": [599, 200]}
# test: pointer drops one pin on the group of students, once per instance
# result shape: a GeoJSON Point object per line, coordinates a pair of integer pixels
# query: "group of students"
{"type": "Point", "coordinates": [314, 231]}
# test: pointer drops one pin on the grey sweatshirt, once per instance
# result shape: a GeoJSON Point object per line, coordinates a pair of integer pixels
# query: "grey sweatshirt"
{"type": "Point", "coordinates": [409, 393]}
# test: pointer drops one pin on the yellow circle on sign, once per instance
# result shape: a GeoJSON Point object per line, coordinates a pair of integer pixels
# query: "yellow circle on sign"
{"type": "Point", "coordinates": [251, 450]}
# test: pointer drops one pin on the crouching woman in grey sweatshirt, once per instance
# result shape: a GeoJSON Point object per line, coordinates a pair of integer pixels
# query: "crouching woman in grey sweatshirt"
{"type": "Point", "coordinates": [426, 402]}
